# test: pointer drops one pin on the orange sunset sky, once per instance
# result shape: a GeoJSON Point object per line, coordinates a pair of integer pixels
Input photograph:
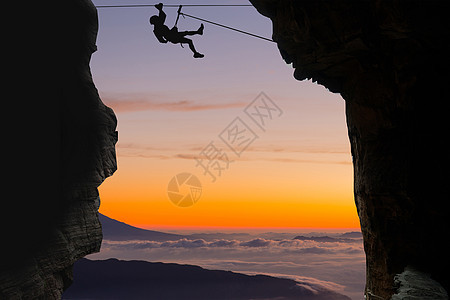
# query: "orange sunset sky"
{"type": "Point", "coordinates": [170, 106]}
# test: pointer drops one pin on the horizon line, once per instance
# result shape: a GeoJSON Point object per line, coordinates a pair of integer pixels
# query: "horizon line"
{"type": "Point", "coordinates": [216, 227]}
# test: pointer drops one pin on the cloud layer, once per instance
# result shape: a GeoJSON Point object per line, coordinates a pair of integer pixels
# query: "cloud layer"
{"type": "Point", "coordinates": [339, 266]}
{"type": "Point", "coordinates": [298, 246]}
{"type": "Point", "coordinates": [142, 103]}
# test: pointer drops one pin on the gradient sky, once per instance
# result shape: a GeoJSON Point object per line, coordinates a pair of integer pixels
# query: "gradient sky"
{"type": "Point", "coordinates": [170, 106]}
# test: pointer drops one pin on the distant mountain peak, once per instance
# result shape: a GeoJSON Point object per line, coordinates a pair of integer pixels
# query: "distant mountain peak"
{"type": "Point", "coordinates": [327, 239]}
{"type": "Point", "coordinates": [114, 230]}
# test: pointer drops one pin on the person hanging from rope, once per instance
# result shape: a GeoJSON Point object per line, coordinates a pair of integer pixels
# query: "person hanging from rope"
{"type": "Point", "coordinates": [164, 34]}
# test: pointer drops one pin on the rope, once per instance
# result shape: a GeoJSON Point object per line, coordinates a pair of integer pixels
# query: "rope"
{"type": "Point", "coordinates": [368, 292]}
{"type": "Point", "coordinates": [178, 17]}
{"type": "Point", "coordinates": [228, 27]}
{"type": "Point", "coordinates": [197, 18]}
{"type": "Point", "coordinates": [173, 5]}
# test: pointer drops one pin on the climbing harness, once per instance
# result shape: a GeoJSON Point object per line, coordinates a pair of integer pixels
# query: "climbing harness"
{"type": "Point", "coordinates": [176, 22]}
{"type": "Point", "coordinates": [179, 13]}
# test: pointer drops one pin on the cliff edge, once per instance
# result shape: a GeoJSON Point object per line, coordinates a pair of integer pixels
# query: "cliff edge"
{"type": "Point", "coordinates": [70, 138]}
{"type": "Point", "coordinates": [389, 61]}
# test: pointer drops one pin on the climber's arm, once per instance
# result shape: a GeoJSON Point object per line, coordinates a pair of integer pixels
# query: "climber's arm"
{"type": "Point", "coordinates": [162, 15]}
{"type": "Point", "coordinates": [160, 38]}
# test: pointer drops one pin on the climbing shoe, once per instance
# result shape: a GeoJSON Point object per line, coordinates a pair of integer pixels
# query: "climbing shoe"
{"type": "Point", "coordinates": [200, 30]}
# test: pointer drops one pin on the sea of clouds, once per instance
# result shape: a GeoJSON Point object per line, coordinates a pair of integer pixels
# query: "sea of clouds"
{"type": "Point", "coordinates": [337, 265]}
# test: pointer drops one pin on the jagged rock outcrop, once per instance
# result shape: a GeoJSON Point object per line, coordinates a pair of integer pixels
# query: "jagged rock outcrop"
{"type": "Point", "coordinates": [389, 60]}
{"type": "Point", "coordinates": [70, 138]}
{"type": "Point", "coordinates": [415, 285]}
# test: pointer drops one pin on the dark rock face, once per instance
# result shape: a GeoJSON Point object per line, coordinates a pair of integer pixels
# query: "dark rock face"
{"type": "Point", "coordinates": [72, 137]}
{"type": "Point", "coordinates": [389, 60]}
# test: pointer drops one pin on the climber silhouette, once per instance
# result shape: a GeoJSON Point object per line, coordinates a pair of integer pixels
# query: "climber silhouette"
{"type": "Point", "coordinates": [164, 34]}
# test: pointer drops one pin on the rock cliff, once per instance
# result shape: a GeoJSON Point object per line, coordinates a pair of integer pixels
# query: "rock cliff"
{"type": "Point", "coordinates": [70, 138]}
{"type": "Point", "coordinates": [389, 60]}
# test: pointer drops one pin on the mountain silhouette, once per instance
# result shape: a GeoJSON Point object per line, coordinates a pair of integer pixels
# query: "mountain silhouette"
{"type": "Point", "coordinates": [114, 230]}
{"type": "Point", "coordinates": [118, 279]}
{"type": "Point", "coordinates": [352, 234]}
{"type": "Point", "coordinates": [327, 239]}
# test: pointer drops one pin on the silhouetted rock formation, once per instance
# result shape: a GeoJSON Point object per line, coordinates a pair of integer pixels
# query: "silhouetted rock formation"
{"type": "Point", "coordinates": [390, 62]}
{"type": "Point", "coordinates": [118, 279]}
{"type": "Point", "coordinates": [413, 284]}
{"type": "Point", "coordinates": [69, 140]}
{"type": "Point", "coordinates": [388, 59]}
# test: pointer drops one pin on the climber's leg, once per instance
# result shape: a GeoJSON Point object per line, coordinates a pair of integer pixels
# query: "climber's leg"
{"type": "Point", "coordinates": [191, 46]}
{"type": "Point", "coordinates": [199, 31]}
